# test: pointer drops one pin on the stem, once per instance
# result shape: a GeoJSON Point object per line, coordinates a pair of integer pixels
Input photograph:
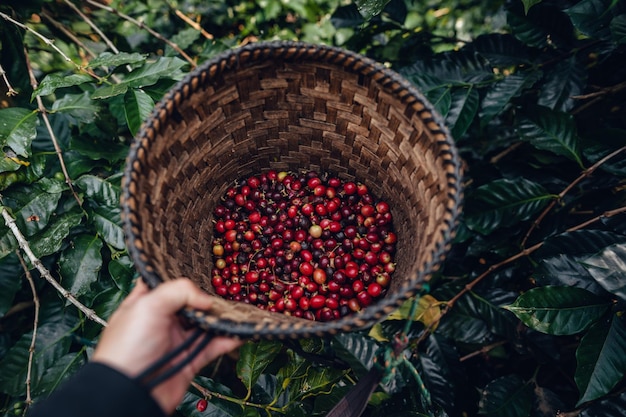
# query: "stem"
{"type": "Point", "coordinates": [44, 115]}
{"type": "Point", "coordinates": [31, 348]}
{"type": "Point", "coordinates": [483, 350]}
{"type": "Point", "coordinates": [10, 90]}
{"type": "Point", "coordinates": [23, 243]}
{"type": "Point", "coordinates": [586, 173]}
{"type": "Point", "coordinates": [147, 28]}
{"type": "Point", "coordinates": [208, 394]}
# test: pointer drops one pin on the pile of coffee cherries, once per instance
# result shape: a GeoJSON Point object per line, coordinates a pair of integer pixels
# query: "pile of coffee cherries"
{"type": "Point", "coordinates": [302, 244]}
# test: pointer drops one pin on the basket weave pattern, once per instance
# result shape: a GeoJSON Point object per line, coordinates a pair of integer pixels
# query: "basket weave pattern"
{"type": "Point", "coordinates": [289, 107]}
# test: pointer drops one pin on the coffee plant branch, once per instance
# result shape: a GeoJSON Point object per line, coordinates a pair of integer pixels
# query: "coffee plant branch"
{"type": "Point", "coordinates": [44, 115]}
{"type": "Point", "coordinates": [31, 348]}
{"type": "Point", "coordinates": [208, 394]}
{"type": "Point", "coordinates": [586, 173]}
{"type": "Point", "coordinates": [141, 25]}
{"type": "Point", "coordinates": [10, 90]}
{"type": "Point", "coordinates": [23, 243]}
{"type": "Point", "coordinates": [191, 23]}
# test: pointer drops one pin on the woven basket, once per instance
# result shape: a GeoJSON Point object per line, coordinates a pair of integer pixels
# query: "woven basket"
{"type": "Point", "coordinates": [288, 106]}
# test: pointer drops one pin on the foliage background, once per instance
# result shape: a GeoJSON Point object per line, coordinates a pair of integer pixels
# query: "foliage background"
{"type": "Point", "coordinates": [526, 317]}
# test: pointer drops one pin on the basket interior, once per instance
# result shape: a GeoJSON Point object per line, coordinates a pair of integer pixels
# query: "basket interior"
{"type": "Point", "coordinates": [286, 114]}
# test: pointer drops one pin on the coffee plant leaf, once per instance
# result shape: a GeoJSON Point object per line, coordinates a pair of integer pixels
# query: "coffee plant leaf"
{"type": "Point", "coordinates": [80, 108]}
{"type": "Point", "coordinates": [592, 18]}
{"type": "Point", "coordinates": [97, 149]}
{"type": "Point", "coordinates": [99, 190]}
{"type": "Point", "coordinates": [465, 328]}
{"type": "Point", "coordinates": [8, 243]}
{"type": "Point", "coordinates": [441, 100]}
{"type": "Point", "coordinates": [370, 8]}
{"type": "Point", "coordinates": [529, 3]}
{"type": "Point", "coordinates": [107, 222]}
{"type": "Point", "coordinates": [109, 90]}
{"type": "Point", "coordinates": [608, 268]}
{"type": "Point", "coordinates": [106, 301]}
{"type": "Point", "coordinates": [137, 108]}
{"type": "Point", "coordinates": [51, 82]}
{"type": "Point", "coordinates": [32, 207]}
{"type": "Point", "coordinates": [357, 350]}
{"type": "Point", "coordinates": [216, 407]}
{"type": "Point", "coordinates": [559, 310]}
{"type": "Point", "coordinates": [507, 396]}
{"type": "Point", "coordinates": [255, 357]}
{"type": "Point", "coordinates": [501, 50]}
{"type": "Point", "coordinates": [503, 203]}
{"type": "Point", "coordinates": [18, 129]}
{"type": "Point", "coordinates": [566, 80]}
{"type": "Point", "coordinates": [153, 71]}
{"type": "Point", "coordinates": [266, 391]}
{"type": "Point", "coordinates": [51, 239]}
{"type": "Point", "coordinates": [25, 174]}
{"type": "Point", "coordinates": [600, 143]}
{"type": "Point", "coordinates": [600, 359]}
{"type": "Point", "coordinates": [566, 270]}
{"type": "Point", "coordinates": [500, 94]}
{"type": "Point", "coordinates": [122, 270]}
{"type": "Point", "coordinates": [9, 267]}
{"type": "Point", "coordinates": [613, 406]}
{"type": "Point", "coordinates": [463, 108]}
{"type": "Point", "coordinates": [578, 243]}
{"type": "Point", "coordinates": [81, 263]}
{"type": "Point", "coordinates": [618, 29]}
{"type": "Point", "coordinates": [440, 371]}
{"type": "Point", "coordinates": [108, 59]}
{"type": "Point", "coordinates": [552, 131]}
{"type": "Point", "coordinates": [62, 369]}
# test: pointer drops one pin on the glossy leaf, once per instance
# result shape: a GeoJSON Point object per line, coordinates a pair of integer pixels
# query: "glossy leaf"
{"type": "Point", "coordinates": [463, 108]}
{"type": "Point", "coordinates": [501, 50]}
{"type": "Point", "coordinates": [601, 363]}
{"type": "Point", "coordinates": [551, 131]}
{"type": "Point", "coordinates": [216, 407]}
{"type": "Point", "coordinates": [559, 310]}
{"type": "Point", "coordinates": [81, 264]}
{"type": "Point", "coordinates": [566, 80]}
{"type": "Point", "coordinates": [109, 90]}
{"type": "Point", "coordinates": [98, 189]}
{"type": "Point", "coordinates": [529, 3]}
{"type": "Point", "coordinates": [33, 208]}
{"type": "Point", "coordinates": [79, 107]}
{"type": "Point", "coordinates": [122, 272]}
{"type": "Point", "coordinates": [107, 223]}
{"type": "Point", "coordinates": [62, 369]}
{"type": "Point", "coordinates": [608, 268]}
{"type": "Point", "coordinates": [51, 239]}
{"type": "Point", "coordinates": [591, 18]}
{"type": "Point", "coordinates": [507, 396]}
{"type": "Point", "coordinates": [618, 29]}
{"type": "Point", "coordinates": [355, 349]}
{"type": "Point", "coordinates": [441, 100]}
{"type": "Point", "coordinates": [503, 203]}
{"type": "Point", "coordinates": [612, 406]}
{"type": "Point", "coordinates": [441, 372]}
{"type": "Point", "coordinates": [370, 8]}
{"type": "Point", "coordinates": [108, 59]}
{"type": "Point", "coordinates": [347, 16]}
{"type": "Point", "coordinates": [10, 269]}
{"type": "Point", "coordinates": [18, 128]}
{"type": "Point", "coordinates": [51, 82]}
{"type": "Point", "coordinates": [137, 107]}
{"type": "Point", "coordinates": [500, 94]}
{"type": "Point", "coordinates": [151, 72]}
{"type": "Point", "coordinates": [566, 270]}
{"type": "Point", "coordinates": [255, 357]}
{"type": "Point", "coordinates": [579, 243]}
{"type": "Point", "coordinates": [599, 143]}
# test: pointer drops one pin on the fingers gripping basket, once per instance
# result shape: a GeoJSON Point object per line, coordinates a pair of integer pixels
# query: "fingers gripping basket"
{"type": "Point", "coordinates": [287, 106]}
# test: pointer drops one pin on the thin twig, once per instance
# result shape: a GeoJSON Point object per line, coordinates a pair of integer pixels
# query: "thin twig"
{"type": "Point", "coordinates": [10, 90]}
{"type": "Point", "coordinates": [21, 240]}
{"type": "Point", "coordinates": [141, 25]}
{"type": "Point", "coordinates": [586, 173]}
{"type": "Point", "coordinates": [31, 348]}
{"type": "Point", "coordinates": [45, 40]}
{"type": "Point", "coordinates": [44, 115]}
{"type": "Point", "coordinates": [92, 25]}
{"type": "Point", "coordinates": [483, 350]}
{"type": "Point", "coordinates": [193, 24]}
{"type": "Point", "coordinates": [67, 33]}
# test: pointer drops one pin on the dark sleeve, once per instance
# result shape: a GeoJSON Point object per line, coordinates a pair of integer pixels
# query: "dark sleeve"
{"type": "Point", "coordinates": [98, 391]}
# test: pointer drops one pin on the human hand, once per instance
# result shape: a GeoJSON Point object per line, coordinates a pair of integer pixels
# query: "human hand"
{"type": "Point", "coordinates": [145, 327]}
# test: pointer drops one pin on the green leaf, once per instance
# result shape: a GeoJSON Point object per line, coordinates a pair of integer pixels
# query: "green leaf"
{"type": "Point", "coordinates": [601, 363]}
{"type": "Point", "coordinates": [608, 268]}
{"type": "Point", "coordinates": [99, 149]}
{"type": "Point", "coordinates": [100, 190]}
{"type": "Point", "coordinates": [500, 94]}
{"type": "Point", "coordinates": [611, 406]}
{"type": "Point", "coordinates": [107, 222]}
{"type": "Point", "coordinates": [529, 3]}
{"type": "Point", "coordinates": [107, 301]}
{"type": "Point", "coordinates": [463, 108]}
{"type": "Point", "coordinates": [151, 72]}
{"type": "Point", "coordinates": [501, 50]}
{"type": "Point", "coordinates": [579, 243]}
{"type": "Point", "coordinates": [80, 264]}
{"type": "Point", "coordinates": [52, 82]}
{"type": "Point", "coordinates": [356, 349]}
{"type": "Point", "coordinates": [216, 407]}
{"type": "Point", "coordinates": [108, 59]}
{"type": "Point", "coordinates": [565, 80]}
{"type": "Point", "coordinates": [79, 107]}
{"type": "Point", "coordinates": [504, 203]}
{"type": "Point", "coordinates": [552, 131]}
{"type": "Point", "coordinates": [122, 272]}
{"type": "Point", "coordinates": [60, 371]}
{"type": "Point", "coordinates": [18, 128]}
{"type": "Point", "coordinates": [137, 108]}
{"type": "Point", "coordinates": [371, 8]}
{"type": "Point", "coordinates": [507, 396]}
{"type": "Point", "coordinates": [10, 281]}
{"type": "Point", "coordinates": [565, 270]}
{"type": "Point", "coordinates": [51, 239]}
{"type": "Point", "coordinates": [109, 90]}
{"type": "Point", "coordinates": [618, 29]}
{"type": "Point", "coordinates": [599, 143]}
{"type": "Point", "coordinates": [559, 310]}
{"type": "Point", "coordinates": [254, 358]}
{"type": "Point", "coordinates": [441, 99]}
{"type": "Point", "coordinates": [347, 17]}
{"type": "Point", "coordinates": [33, 208]}
{"type": "Point", "coordinates": [591, 17]}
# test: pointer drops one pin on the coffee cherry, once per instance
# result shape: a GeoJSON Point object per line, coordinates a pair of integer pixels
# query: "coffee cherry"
{"type": "Point", "coordinates": [201, 405]}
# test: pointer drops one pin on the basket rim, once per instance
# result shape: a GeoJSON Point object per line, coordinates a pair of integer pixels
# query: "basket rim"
{"type": "Point", "coordinates": [233, 59]}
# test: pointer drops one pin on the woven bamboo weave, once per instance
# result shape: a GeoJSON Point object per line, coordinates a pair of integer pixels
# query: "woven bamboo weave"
{"type": "Point", "coordinates": [288, 106]}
